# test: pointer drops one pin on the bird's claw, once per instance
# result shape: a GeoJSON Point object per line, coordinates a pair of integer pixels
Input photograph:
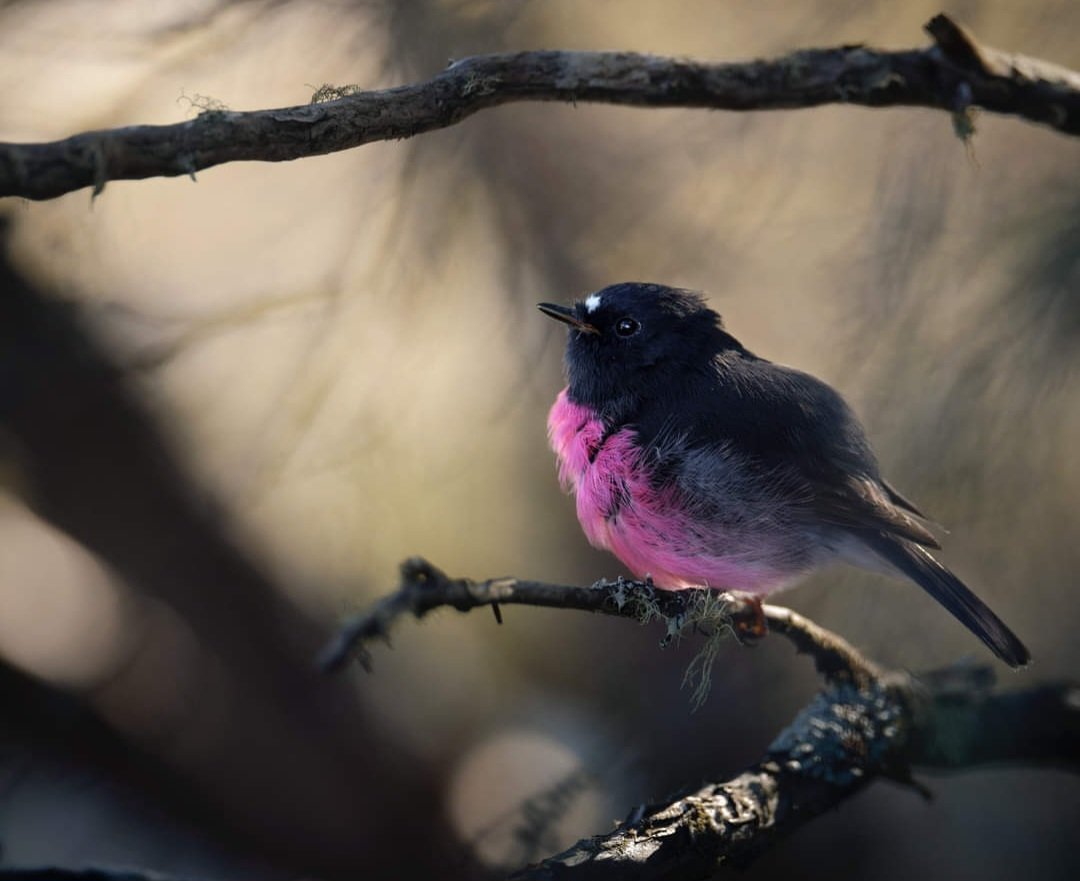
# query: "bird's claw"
{"type": "Point", "coordinates": [751, 626]}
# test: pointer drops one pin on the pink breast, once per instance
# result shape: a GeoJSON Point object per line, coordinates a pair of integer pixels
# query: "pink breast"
{"type": "Point", "coordinates": [646, 528]}
{"type": "Point", "coordinates": [575, 433]}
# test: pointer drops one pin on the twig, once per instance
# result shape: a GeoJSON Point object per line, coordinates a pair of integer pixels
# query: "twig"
{"type": "Point", "coordinates": [866, 723]}
{"type": "Point", "coordinates": [951, 75]}
{"type": "Point", "coordinates": [836, 659]}
{"type": "Point", "coordinates": [425, 587]}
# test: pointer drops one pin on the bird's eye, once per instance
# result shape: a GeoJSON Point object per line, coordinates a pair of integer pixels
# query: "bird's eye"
{"type": "Point", "coordinates": [627, 327]}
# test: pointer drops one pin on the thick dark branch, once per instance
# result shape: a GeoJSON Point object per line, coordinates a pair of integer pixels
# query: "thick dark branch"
{"type": "Point", "coordinates": [866, 723]}
{"type": "Point", "coordinates": [972, 725]}
{"type": "Point", "coordinates": [952, 75]}
{"type": "Point", "coordinates": [836, 745]}
{"type": "Point", "coordinates": [844, 739]}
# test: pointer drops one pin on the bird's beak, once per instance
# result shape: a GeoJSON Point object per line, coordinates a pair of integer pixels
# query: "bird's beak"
{"type": "Point", "coordinates": [566, 316]}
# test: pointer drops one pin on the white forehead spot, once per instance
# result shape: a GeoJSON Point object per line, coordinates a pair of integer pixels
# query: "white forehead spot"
{"type": "Point", "coordinates": [592, 303]}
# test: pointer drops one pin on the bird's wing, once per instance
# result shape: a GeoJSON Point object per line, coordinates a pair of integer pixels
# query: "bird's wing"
{"type": "Point", "coordinates": [860, 504]}
{"type": "Point", "coordinates": [790, 422]}
{"type": "Point", "coordinates": [897, 499]}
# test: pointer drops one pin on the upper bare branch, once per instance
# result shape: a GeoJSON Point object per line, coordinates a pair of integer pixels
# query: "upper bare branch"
{"type": "Point", "coordinates": [954, 74]}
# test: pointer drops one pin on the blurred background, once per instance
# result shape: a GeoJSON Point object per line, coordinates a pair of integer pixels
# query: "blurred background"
{"type": "Point", "coordinates": [229, 408]}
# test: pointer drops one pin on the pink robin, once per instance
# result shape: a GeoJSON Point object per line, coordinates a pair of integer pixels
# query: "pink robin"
{"type": "Point", "coordinates": [698, 463]}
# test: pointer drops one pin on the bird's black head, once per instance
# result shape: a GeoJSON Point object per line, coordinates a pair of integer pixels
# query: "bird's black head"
{"type": "Point", "coordinates": [631, 342]}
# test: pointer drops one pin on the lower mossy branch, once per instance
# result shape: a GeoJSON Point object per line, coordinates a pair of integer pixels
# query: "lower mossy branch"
{"type": "Point", "coordinates": [865, 723]}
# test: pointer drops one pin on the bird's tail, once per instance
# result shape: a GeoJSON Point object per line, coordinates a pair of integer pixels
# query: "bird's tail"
{"type": "Point", "coordinates": [917, 564]}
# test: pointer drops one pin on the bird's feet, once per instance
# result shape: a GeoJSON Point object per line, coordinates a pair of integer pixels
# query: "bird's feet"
{"type": "Point", "coordinates": [749, 622]}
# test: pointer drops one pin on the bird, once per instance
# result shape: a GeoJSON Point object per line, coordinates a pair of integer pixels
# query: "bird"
{"type": "Point", "coordinates": [700, 464]}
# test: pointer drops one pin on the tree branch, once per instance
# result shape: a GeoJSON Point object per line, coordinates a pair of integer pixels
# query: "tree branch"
{"type": "Point", "coordinates": [425, 587]}
{"type": "Point", "coordinates": [953, 75]}
{"type": "Point", "coordinates": [866, 723]}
